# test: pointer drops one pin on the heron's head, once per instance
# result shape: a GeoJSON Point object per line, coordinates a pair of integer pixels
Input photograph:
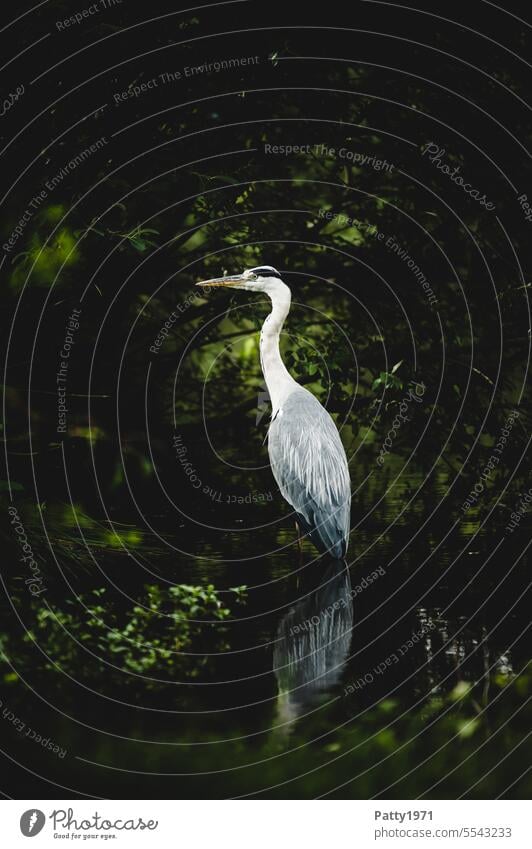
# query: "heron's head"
{"type": "Point", "coordinates": [263, 278]}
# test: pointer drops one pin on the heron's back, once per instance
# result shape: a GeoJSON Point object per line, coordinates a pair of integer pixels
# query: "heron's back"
{"type": "Point", "coordinates": [310, 466]}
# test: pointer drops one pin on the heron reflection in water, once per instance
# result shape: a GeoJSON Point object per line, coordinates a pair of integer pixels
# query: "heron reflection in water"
{"type": "Point", "coordinates": [312, 645]}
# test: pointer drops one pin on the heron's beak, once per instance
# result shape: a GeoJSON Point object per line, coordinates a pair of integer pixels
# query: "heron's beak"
{"type": "Point", "coordinates": [233, 280]}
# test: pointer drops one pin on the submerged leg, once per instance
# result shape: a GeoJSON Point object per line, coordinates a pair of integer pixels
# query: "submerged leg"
{"type": "Point", "coordinates": [299, 542]}
{"type": "Point", "coordinates": [298, 530]}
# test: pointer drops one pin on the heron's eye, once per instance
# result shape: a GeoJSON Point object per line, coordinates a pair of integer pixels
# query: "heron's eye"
{"type": "Point", "coordinates": [253, 276]}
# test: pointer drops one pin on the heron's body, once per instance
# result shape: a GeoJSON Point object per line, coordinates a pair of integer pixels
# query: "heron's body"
{"type": "Point", "coordinates": [306, 453]}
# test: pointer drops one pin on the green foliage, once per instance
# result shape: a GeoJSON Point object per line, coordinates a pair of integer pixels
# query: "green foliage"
{"type": "Point", "coordinates": [139, 238]}
{"type": "Point", "coordinates": [41, 263]}
{"type": "Point", "coordinates": [388, 380]}
{"type": "Point", "coordinates": [89, 636]}
{"type": "Point", "coordinates": [13, 485]}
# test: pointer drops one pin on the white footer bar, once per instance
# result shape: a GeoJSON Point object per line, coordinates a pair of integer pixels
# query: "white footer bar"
{"type": "Point", "coordinates": [267, 824]}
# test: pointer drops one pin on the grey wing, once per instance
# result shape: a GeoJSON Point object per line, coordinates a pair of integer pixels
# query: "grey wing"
{"type": "Point", "coordinates": [309, 464]}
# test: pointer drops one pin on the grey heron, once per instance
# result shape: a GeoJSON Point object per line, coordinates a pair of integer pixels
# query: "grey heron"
{"type": "Point", "coordinates": [307, 457]}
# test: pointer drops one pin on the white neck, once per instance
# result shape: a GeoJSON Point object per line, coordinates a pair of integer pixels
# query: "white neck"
{"type": "Point", "coordinates": [279, 382]}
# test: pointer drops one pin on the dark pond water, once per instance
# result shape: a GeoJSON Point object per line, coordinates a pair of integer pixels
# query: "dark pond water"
{"type": "Point", "coordinates": [326, 674]}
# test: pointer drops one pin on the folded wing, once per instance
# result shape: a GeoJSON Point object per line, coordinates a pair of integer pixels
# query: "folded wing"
{"type": "Point", "coordinates": [309, 464]}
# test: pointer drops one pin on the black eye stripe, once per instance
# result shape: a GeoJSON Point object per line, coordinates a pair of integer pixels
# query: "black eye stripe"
{"type": "Point", "coordinates": [266, 272]}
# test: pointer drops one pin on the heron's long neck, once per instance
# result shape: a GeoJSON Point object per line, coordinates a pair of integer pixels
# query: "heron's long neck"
{"type": "Point", "coordinates": [279, 382]}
